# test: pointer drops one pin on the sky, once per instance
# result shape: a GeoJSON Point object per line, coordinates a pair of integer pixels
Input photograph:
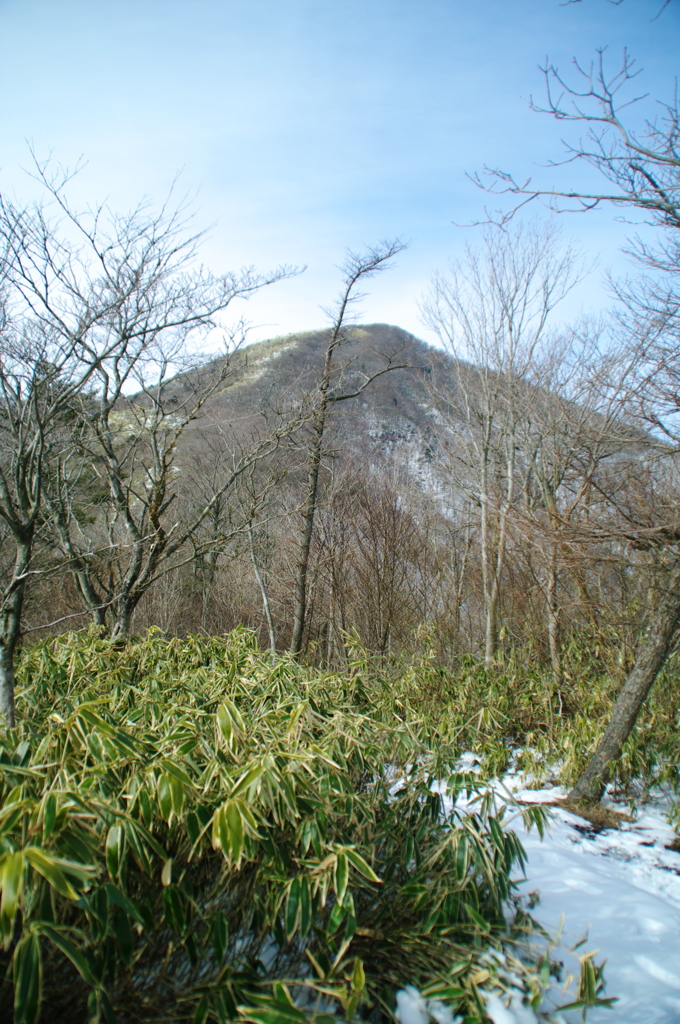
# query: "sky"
{"type": "Point", "coordinates": [299, 129]}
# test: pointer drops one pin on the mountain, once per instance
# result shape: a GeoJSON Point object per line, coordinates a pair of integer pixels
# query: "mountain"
{"type": "Point", "coordinates": [268, 378]}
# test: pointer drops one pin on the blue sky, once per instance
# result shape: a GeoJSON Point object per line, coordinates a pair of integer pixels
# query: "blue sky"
{"type": "Point", "coordinates": [302, 127]}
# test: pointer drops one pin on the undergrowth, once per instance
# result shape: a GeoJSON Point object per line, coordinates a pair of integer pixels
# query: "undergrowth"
{"type": "Point", "coordinates": [192, 830]}
{"type": "Point", "coordinates": [515, 713]}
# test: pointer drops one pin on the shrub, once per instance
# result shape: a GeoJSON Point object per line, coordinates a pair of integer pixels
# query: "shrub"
{"type": "Point", "coordinates": [195, 831]}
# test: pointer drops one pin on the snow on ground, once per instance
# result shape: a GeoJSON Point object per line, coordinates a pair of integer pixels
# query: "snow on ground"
{"type": "Point", "coordinates": [621, 887]}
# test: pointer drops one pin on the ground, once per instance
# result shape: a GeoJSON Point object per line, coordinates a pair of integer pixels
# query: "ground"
{"type": "Point", "coordinates": [618, 888]}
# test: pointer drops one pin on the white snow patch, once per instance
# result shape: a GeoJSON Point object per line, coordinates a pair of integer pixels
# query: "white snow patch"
{"type": "Point", "coordinates": [413, 1008]}
{"type": "Point", "coordinates": [619, 889]}
{"type": "Point", "coordinates": [514, 1013]}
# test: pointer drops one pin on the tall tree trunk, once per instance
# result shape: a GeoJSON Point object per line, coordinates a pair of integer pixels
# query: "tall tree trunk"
{"type": "Point", "coordinates": [553, 614]}
{"type": "Point", "coordinates": [356, 267]}
{"type": "Point", "coordinates": [650, 660]}
{"type": "Point", "coordinates": [491, 627]}
{"type": "Point", "coordinates": [10, 625]}
{"type": "Point", "coordinates": [308, 513]}
{"type": "Point", "coordinates": [7, 682]}
{"type": "Point", "coordinates": [263, 589]}
{"type": "Point", "coordinates": [490, 599]}
{"type": "Point", "coordinates": [8, 642]}
{"type": "Point", "coordinates": [494, 577]}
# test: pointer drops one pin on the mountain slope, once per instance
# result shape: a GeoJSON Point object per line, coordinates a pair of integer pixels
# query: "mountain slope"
{"type": "Point", "coordinates": [273, 376]}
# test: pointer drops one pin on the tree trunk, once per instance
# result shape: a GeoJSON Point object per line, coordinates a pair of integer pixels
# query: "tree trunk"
{"type": "Point", "coordinates": [553, 612]}
{"type": "Point", "coordinates": [263, 590]}
{"type": "Point", "coordinates": [9, 635]}
{"type": "Point", "coordinates": [490, 598]}
{"type": "Point", "coordinates": [124, 610]}
{"type": "Point", "coordinates": [491, 627]}
{"type": "Point", "coordinates": [302, 567]}
{"type": "Point", "coordinates": [356, 267]}
{"type": "Point", "coordinates": [650, 660]}
{"type": "Point", "coordinates": [10, 626]}
{"type": "Point", "coordinates": [7, 683]}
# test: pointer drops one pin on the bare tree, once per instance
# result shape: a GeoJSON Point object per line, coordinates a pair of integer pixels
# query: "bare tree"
{"type": "Point", "coordinates": [40, 378]}
{"type": "Point", "coordinates": [493, 313]}
{"type": "Point", "coordinates": [642, 169]}
{"type": "Point", "coordinates": [144, 531]}
{"type": "Point", "coordinates": [566, 434]}
{"type": "Point", "coordinates": [96, 305]}
{"type": "Point", "coordinates": [643, 515]}
{"type": "Point", "coordinates": [335, 384]}
{"type": "Point", "coordinates": [257, 496]}
{"type": "Point", "coordinates": [642, 166]}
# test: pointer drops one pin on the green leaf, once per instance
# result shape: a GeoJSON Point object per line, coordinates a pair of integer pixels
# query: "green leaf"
{"type": "Point", "coordinates": [292, 908]}
{"type": "Point", "coordinates": [166, 873]}
{"type": "Point", "coordinates": [176, 795]}
{"type": "Point", "coordinates": [229, 720]}
{"type": "Point", "coordinates": [165, 797]}
{"type": "Point", "coordinates": [27, 973]}
{"type": "Point", "coordinates": [145, 807]}
{"type": "Point", "coordinates": [281, 1013]}
{"type": "Point", "coordinates": [225, 723]}
{"type": "Point", "coordinates": [193, 827]}
{"type": "Point", "coordinates": [443, 990]}
{"type": "Point", "coordinates": [498, 834]}
{"type": "Point", "coordinates": [50, 868]}
{"type": "Point", "coordinates": [148, 838]}
{"type": "Point", "coordinates": [462, 858]}
{"type": "Point", "coordinates": [219, 936]}
{"type": "Point", "coordinates": [587, 988]}
{"type": "Point", "coordinates": [306, 908]}
{"type": "Point", "coordinates": [247, 779]}
{"type": "Point", "coordinates": [116, 898]}
{"type": "Point", "coordinates": [12, 878]}
{"type": "Point", "coordinates": [477, 919]}
{"type": "Point", "coordinates": [134, 837]}
{"type": "Point", "coordinates": [124, 936]}
{"type": "Point", "coordinates": [99, 1008]}
{"type": "Point", "coordinates": [338, 914]}
{"type": "Point", "coordinates": [202, 1011]}
{"type": "Point", "coordinates": [359, 976]}
{"type": "Point", "coordinates": [9, 816]}
{"type": "Point", "coordinates": [341, 876]}
{"type": "Point", "coordinates": [114, 851]}
{"type": "Point", "coordinates": [59, 937]}
{"type": "Point", "coordinates": [224, 1005]}
{"type": "Point", "coordinates": [234, 830]}
{"type": "Point", "coordinates": [350, 1005]}
{"type": "Point", "coordinates": [174, 910]}
{"type": "Point", "coordinates": [220, 836]}
{"type": "Point", "coordinates": [49, 815]}
{"type": "Point", "coordinates": [360, 864]}
{"type": "Point", "coordinates": [176, 772]}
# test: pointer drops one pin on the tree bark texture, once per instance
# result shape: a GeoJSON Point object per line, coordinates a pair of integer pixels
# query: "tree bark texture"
{"type": "Point", "coordinates": [7, 684]}
{"type": "Point", "coordinates": [10, 625]}
{"type": "Point", "coordinates": [650, 660]}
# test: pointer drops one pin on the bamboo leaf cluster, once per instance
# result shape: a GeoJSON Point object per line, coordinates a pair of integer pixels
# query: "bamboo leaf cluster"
{"type": "Point", "coordinates": [193, 830]}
